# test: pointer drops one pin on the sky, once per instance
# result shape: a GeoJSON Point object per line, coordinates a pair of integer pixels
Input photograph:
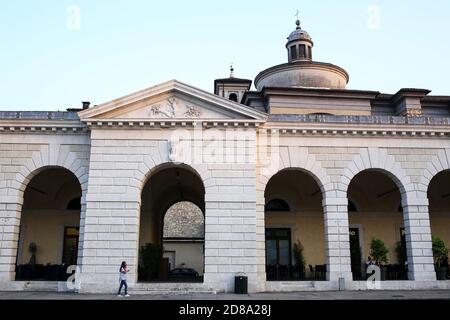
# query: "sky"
{"type": "Point", "coordinates": [55, 54]}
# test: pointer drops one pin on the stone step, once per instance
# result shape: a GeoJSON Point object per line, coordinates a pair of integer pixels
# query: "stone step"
{"type": "Point", "coordinates": [281, 286]}
{"type": "Point", "coordinates": [170, 292]}
{"type": "Point", "coordinates": [161, 288]}
{"type": "Point", "coordinates": [39, 285]}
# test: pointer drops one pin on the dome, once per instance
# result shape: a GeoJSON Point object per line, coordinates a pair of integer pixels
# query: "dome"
{"type": "Point", "coordinates": [299, 34]}
{"type": "Point", "coordinates": [301, 71]}
{"type": "Point", "coordinates": [303, 74]}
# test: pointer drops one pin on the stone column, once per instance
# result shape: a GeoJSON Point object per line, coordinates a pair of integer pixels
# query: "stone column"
{"type": "Point", "coordinates": [9, 237]}
{"type": "Point", "coordinates": [230, 226]}
{"type": "Point", "coordinates": [418, 238]}
{"type": "Point", "coordinates": [81, 232]}
{"type": "Point", "coordinates": [337, 241]}
{"type": "Point", "coordinates": [260, 238]}
{"type": "Point", "coordinates": [111, 217]}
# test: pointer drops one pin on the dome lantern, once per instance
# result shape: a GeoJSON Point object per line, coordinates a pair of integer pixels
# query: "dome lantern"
{"type": "Point", "coordinates": [299, 45]}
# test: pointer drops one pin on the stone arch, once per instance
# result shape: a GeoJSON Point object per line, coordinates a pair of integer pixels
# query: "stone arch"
{"type": "Point", "coordinates": [203, 175]}
{"type": "Point", "coordinates": [47, 157]}
{"type": "Point", "coordinates": [70, 189]}
{"type": "Point", "coordinates": [51, 156]}
{"type": "Point", "coordinates": [152, 164]}
{"type": "Point", "coordinates": [300, 160]}
{"type": "Point", "coordinates": [377, 159]}
{"type": "Point", "coordinates": [438, 164]}
{"type": "Point", "coordinates": [200, 171]}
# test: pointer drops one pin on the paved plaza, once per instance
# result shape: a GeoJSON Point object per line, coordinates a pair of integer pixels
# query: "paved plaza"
{"type": "Point", "coordinates": [325, 295]}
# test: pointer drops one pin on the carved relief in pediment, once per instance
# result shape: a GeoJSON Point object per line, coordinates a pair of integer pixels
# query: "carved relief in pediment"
{"type": "Point", "coordinates": [174, 108]}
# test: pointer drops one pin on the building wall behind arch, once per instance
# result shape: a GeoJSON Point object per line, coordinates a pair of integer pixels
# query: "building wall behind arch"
{"type": "Point", "coordinates": [46, 229]}
{"type": "Point", "coordinates": [439, 200]}
{"type": "Point", "coordinates": [305, 227]}
{"type": "Point", "coordinates": [381, 225]}
{"type": "Point", "coordinates": [187, 255]}
{"type": "Point", "coordinates": [440, 225]}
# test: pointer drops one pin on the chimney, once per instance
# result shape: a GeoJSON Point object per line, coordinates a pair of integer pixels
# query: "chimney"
{"type": "Point", "coordinates": [86, 104]}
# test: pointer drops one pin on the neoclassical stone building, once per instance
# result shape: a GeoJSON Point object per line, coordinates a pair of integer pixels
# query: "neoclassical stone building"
{"type": "Point", "coordinates": [301, 169]}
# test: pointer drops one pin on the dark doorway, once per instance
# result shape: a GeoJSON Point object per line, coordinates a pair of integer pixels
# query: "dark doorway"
{"type": "Point", "coordinates": [355, 252]}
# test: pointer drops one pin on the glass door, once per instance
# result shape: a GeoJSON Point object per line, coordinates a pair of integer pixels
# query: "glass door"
{"type": "Point", "coordinates": [278, 252]}
{"type": "Point", "coordinates": [70, 247]}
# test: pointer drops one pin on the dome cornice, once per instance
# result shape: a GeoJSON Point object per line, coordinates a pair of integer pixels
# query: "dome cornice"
{"type": "Point", "coordinates": [299, 66]}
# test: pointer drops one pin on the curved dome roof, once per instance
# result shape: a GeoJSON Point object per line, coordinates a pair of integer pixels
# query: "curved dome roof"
{"type": "Point", "coordinates": [301, 71]}
{"type": "Point", "coordinates": [303, 74]}
{"type": "Point", "coordinates": [299, 34]}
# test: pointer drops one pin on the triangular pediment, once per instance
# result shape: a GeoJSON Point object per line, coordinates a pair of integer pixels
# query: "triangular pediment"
{"type": "Point", "coordinates": [171, 100]}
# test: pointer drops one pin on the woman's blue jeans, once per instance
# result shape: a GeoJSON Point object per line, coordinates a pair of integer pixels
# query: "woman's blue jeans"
{"type": "Point", "coordinates": [123, 283]}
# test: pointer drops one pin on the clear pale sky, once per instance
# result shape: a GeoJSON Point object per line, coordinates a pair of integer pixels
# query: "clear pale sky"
{"type": "Point", "coordinates": [51, 58]}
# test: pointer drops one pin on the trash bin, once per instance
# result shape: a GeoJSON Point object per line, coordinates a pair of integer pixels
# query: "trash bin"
{"type": "Point", "coordinates": [240, 284]}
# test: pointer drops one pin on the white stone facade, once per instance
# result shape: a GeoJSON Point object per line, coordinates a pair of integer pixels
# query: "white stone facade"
{"type": "Point", "coordinates": [113, 155]}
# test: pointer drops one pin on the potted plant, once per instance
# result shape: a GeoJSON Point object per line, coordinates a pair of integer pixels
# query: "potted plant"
{"type": "Point", "coordinates": [379, 252]}
{"type": "Point", "coordinates": [299, 258]}
{"type": "Point", "coordinates": [440, 253]}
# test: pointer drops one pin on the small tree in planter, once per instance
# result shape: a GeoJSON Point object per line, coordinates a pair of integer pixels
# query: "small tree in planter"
{"type": "Point", "coordinates": [299, 258]}
{"type": "Point", "coordinates": [440, 253]}
{"type": "Point", "coordinates": [379, 252]}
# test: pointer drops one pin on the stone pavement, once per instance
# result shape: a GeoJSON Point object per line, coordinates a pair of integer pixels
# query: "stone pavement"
{"type": "Point", "coordinates": [324, 295]}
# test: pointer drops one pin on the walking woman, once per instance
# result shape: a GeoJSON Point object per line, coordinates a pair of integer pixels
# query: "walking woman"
{"type": "Point", "coordinates": [123, 279]}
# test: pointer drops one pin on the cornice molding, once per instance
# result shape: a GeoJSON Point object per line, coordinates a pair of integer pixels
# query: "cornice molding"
{"type": "Point", "coordinates": [171, 123]}
{"type": "Point", "coordinates": [314, 129]}
{"type": "Point", "coordinates": [42, 126]}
